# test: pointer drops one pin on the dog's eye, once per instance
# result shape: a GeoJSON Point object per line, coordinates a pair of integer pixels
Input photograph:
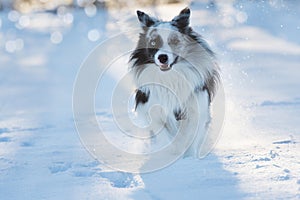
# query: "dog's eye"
{"type": "Point", "coordinates": [153, 43]}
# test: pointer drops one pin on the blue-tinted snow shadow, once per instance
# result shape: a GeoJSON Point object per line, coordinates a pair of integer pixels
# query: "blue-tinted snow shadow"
{"type": "Point", "coordinates": [5, 139]}
{"type": "Point", "coordinates": [280, 103]}
{"type": "Point", "coordinates": [191, 179]}
{"type": "Point", "coordinates": [120, 179]}
{"type": "Point", "coordinates": [4, 130]}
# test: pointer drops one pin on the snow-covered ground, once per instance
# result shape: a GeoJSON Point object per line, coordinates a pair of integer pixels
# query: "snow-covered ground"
{"type": "Point", "coordinates": [256, 157]}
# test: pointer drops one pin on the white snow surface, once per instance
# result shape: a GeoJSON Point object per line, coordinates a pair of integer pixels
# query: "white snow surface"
{"type": "Point", "coordinates": [257, 156]}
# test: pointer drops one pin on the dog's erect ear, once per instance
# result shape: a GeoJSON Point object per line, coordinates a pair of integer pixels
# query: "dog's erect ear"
{"type": "Point", "coordinates": [183, 19]}
{"type": "Point", "coordinates": [146, 20]}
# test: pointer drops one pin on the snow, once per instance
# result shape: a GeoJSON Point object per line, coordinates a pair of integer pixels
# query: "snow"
{"type": "Point", "coordinates": [256, 157]}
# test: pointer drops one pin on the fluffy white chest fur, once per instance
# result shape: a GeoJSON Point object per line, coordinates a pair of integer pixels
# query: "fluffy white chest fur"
{"type": "Point", "coordinates": [174, 103]}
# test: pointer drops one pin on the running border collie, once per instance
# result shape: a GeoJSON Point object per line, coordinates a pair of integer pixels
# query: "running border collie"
{"type": "Point", "coordinates": [175, 68]}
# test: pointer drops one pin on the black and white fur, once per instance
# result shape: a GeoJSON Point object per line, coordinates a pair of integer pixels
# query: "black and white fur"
{"type": "Point", "coordinates": [184, 70]}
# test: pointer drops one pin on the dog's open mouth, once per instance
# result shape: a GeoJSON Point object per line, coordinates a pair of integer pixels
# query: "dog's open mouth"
{"type": "Point", "coordinates": [164, 67]}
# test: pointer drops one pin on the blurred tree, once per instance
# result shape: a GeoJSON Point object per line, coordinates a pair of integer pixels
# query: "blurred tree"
{"type": "Point", "coordinates": [126, 3]}
{"type": "Point", "coordinates": [26, 6]}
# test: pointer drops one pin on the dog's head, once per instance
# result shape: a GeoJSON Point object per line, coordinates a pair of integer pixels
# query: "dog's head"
{"type": "Point", "coordinates": [162, 42]}
{"type": "Point", "coordinates": [174, 44]}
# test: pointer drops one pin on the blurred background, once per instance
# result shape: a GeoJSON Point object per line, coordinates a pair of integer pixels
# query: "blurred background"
{"type": "Point", "coordinates": [52, 15]}
{"type": "Point", "coordinates": [26, 6]}
{"type": "Point", "coordinates": [43, 42]}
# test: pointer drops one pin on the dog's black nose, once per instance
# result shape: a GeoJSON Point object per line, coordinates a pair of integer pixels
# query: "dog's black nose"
{"type": "Point", "coordinates": [163, 58]}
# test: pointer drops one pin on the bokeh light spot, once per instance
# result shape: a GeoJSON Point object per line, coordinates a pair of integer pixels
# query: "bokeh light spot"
{"type": "Point", "coordinates": [90, 10]}
{"type": "Point", "coordinates": [12, 46]}
{"type": "Point", "coordinates": [241, 17]}
{"type": "Point", "coordinates": [68, 18]}
{"type": "Point", "coordinates": [24, 21]}
{"type": "Point", "coordinates": [93, 35]}
{"type": "Point", "coordinates": [13, 15]}
{"type": "Point", "coordinates": [56, 37]}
